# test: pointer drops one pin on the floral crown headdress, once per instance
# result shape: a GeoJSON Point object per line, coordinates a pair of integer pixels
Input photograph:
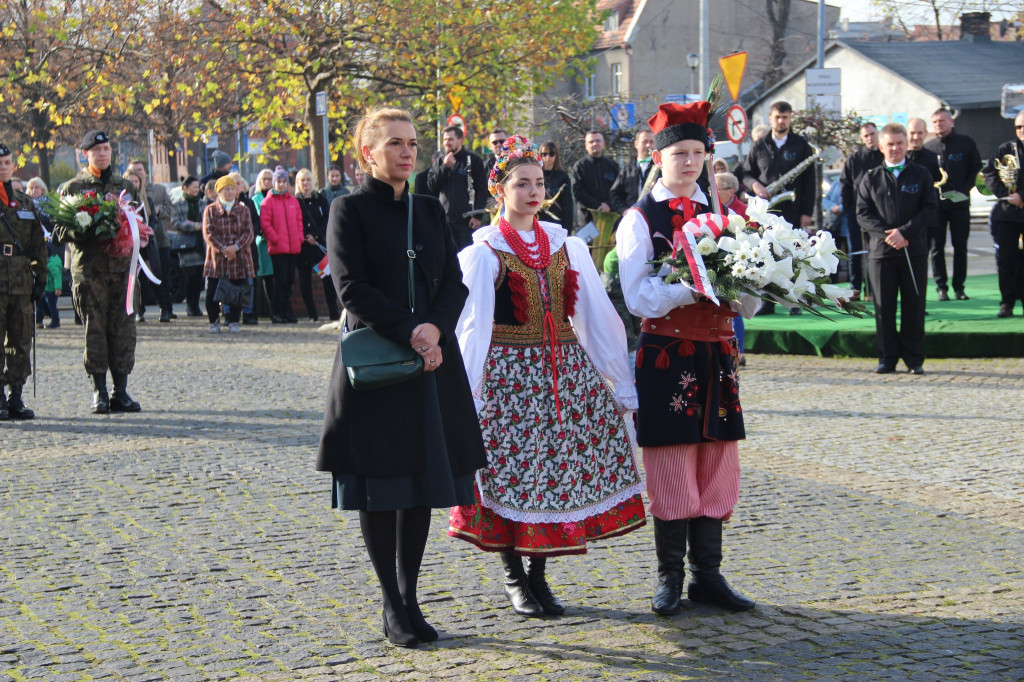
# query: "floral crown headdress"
{"type": "Point", "coordinates": [515, 147]}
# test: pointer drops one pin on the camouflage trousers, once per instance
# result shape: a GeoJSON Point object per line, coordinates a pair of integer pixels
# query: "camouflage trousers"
{"type": "Point", "coordinates": [16, 336]}
{"type": "Point", "coordinates": [109, 330]}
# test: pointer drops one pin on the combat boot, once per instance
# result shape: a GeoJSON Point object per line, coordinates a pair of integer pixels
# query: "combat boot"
{"type": "Point", "coordinates": [16, 406]}
{"type": "Point", "coordinates": [100, 399]}
{"type": "Point", "coordinates": [517, 587]}
{"type": "Point", "coordinates": [121, 401]}
{"type": "Point", "coordinates": [3, 405]}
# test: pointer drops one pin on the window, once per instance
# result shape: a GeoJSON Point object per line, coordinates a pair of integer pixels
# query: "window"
{"type": "Point", "coordinates": [591, 86]}
{"type": "Point", "coordinates": [616, 79]}
{"type": "Point", "coordinates": [611, 22]}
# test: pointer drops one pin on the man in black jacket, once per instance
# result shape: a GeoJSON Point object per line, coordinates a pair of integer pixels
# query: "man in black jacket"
{"type": "Point", "coordinates": [917, 133]}
{"type": "Point", "coordinates": [457, 178]}
{"type": "Point", "coordinates": [958, 156]}
{"type": "Point", "coordinates": [858, 163]}
{"type": "Point", "coordinates": [773, 156]}
{"type": "Point", "coordinates": [632, 176]}
{"type": "Point", "coordinates": [895, 204]}
{"type": "Point", "coordinates": [1008, 221]}
{"type": "Point", "coordinates": [592, 179]}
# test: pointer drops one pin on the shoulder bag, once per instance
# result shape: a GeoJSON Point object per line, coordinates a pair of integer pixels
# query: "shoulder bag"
{"type": "Point", "coordinates": [373, 361]}
{"type": "Point", "coordinates": [232, 294]}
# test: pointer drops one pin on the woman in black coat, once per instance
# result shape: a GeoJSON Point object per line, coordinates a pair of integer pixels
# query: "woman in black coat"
{"type": "Point", "coordinates": [399, 451]}
{"type": "Point", "coordinates": [555, 179]}
{"type": "Point", "coordinates": [315, 210]}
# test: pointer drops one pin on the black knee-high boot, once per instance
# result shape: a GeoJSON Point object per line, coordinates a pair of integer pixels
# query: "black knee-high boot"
{"type": "Point", "coordinates": [413, 527]}
{"type": "Point", "coordinates": [517, 588]}
{"type": "Point", "coordinates": [708, 585]}
{"type": "Point", "coordinates": [538, 583]}
{"type": "Point", "coordinates": [380, 531]}
{"type": "Point", "coordinates": [670, 546]}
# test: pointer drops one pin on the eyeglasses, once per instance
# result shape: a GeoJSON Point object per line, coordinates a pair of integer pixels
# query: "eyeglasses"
{"type": "Point", "coordinates": [548, 154]}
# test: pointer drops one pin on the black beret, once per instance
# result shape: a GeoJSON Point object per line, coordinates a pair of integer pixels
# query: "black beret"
{"type": "Point", "coordinates": [4, 150]}
{"type": "Point", "coordinates": [93, 138]}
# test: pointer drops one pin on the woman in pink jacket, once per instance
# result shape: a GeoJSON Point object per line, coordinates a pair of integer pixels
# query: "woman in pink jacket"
{"type": "Point", "coordinates": [281, 221]}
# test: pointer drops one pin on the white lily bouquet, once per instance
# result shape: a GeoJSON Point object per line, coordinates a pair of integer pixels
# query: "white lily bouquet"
{"type": "Point", "coordinates": [722, 257]}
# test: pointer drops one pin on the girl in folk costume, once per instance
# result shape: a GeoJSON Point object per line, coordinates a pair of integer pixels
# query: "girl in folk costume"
{"type": "Point", "coordinates": [689, 419]}
{"type": "Point", "coordinates": [540, 338]}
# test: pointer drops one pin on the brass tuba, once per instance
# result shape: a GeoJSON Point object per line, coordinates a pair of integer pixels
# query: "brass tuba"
{"type": "Point", "coordinates": [1009, 171]}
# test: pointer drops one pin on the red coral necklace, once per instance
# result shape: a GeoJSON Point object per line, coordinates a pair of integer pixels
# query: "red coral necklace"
{"type": "Point", "coordinates": [536, 255]}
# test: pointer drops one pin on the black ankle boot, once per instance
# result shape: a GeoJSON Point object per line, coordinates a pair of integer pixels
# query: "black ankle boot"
{"type": "Point", "coordinates": [100, 399]}
{"type": "Point", "coordinates": [708, 586]}
{"type": "Point", "coordinates": [517, 587]}
{"type": "Point", "coordinates": [670, 546]}
{"type": "Point", "coordinates": [538, 583]}
{"type": "Point", "coordinates": [121, 401]}
{"type": "Point", "coordinates": [16, 406]}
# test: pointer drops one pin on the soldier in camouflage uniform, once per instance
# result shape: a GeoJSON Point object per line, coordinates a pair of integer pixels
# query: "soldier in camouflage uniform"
{"type": "Point", "coordinates": [99, 285]}
{"type": "Point", "coordinates": [22, 281]}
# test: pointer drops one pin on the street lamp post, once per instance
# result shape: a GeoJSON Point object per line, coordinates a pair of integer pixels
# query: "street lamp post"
{"type": "Point", "coordinates": [693, 59]}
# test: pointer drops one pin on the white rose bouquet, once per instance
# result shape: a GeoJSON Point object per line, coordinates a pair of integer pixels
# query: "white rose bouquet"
{"type": "Point", "coordinates": [722, 257]}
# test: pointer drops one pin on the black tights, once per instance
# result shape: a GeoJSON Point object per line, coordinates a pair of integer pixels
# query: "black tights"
{"type": "Point", "coordinates": [395, 541]}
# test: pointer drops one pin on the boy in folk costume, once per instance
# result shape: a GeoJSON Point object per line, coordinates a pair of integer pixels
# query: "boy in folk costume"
{"type": "Point", "coordinates": [541, 341]}
{"type": "Point", "coordinates": [689, 418]}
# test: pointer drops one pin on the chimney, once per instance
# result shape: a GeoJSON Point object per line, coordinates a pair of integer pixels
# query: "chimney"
{"type": "Point", "coordinates": [974, 27]}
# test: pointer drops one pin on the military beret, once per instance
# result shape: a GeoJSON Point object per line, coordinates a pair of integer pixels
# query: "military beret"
{"type": "Point", "coordinates": [226, 181]}
{"type": "Point", "coordinates": [93, 138]}
{"type": "Point", "coordinates": [4, 150]}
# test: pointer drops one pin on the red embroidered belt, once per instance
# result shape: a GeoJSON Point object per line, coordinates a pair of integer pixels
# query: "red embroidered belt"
{"type": "Point", "coordinates": [703, 321]}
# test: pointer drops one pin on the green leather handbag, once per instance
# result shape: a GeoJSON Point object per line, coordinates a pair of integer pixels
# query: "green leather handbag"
{"type": "Point", "coordinates": [372, 361]}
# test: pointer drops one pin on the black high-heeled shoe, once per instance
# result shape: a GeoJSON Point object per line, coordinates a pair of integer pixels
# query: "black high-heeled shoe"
{"type": "Point", "coordinates": [420, 626]}
{"type": "Point", "coordinates": [402, 639]}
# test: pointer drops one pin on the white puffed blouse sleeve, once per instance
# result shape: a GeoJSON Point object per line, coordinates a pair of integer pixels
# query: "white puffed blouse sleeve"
{"type": "Point", "coordinates": [480, 269]}
{"type": "Point", "coordinates": [645, 294]}
{"type": "Point", "coordinates": [599, 327]}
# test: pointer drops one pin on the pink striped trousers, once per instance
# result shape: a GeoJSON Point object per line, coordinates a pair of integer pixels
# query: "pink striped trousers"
{"type": "Point", "coordinates": [691, 480]}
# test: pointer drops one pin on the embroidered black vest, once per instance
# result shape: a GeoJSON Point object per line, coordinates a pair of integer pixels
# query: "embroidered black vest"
{"type": "Point", "coordinates": [659, 220]}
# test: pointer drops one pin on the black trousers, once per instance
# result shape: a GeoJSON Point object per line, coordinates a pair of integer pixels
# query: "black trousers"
{"type": "Point", "coordinates": [1010, 264]}
{"type": "Point", "coordinates": [958, 221]}
{"type": "Point", "coordinates": [892, 286]}
{"type": "Point", "coordinates": [284, 275]}
{"type": "Point", "coordinates": [193, 286]}
{"type": "Point", "coordinates": [856, 243]}
{"type": "Point", "coordinates": [308, 257]}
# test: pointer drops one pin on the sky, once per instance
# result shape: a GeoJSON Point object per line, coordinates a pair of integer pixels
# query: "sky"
{"type": "Point", "coordinates": [864, 10]}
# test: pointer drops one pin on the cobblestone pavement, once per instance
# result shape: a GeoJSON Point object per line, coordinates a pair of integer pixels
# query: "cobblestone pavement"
{"type": "Point", "coordinates": [880, 529]}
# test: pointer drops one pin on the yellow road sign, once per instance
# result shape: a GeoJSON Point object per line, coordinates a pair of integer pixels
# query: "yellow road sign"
{"type": "Point", "coordinates": [732, 69]}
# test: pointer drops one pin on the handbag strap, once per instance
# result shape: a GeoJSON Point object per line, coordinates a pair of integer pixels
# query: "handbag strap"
{"type": "Point", "coordinates": [411, 253]}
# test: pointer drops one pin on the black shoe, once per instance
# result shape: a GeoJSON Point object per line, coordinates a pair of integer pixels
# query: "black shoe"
{"type": "Point", "coordinates": [16, 407]}
{"type": "Point", "coordinates": [100, 399]}
{"type": "Point", "coordinates": [1005, 310]}
{"type": "Point", "coordinates": [53, 325]}
{"type": "Point", "coordinates": [424, 631]}
{"type": "Point", "coordinates": [517, 587]}
{"type": "Point", "coordinates": [961, 296]}
{"type": "Point", "coordinates": [291, 319]}
{"type": "Point", "coordinates": [120, 401]}
{"type": "Point", "coordinates": [398, 635]}
{"type": "Point", "coordinates": [165, 315]}
{"type": "Point", "coordinates": [538, 583]}
{"type": "Point", "coordinates": [140, 318]}
{"type": "Point", "coordinates": [670, 546]}
{"type": "Point", "coordinates": [943, 295]}
{"type": "Point", "coordinates": [917, 369]}
{"type": "Point", "coordinates": [707, 585]}
{"type": "Point", "coordinates": [884, 368]}
{"type": "Point", "coordinates": [250, 318]}
{"type": "Point", "coordinates": [3, 406]}
{"type": "Point", "coordinates": [277, 319]}
{"type": "Point", "coordinates": [796, 311]}
{"type": "Point", "coordinates": [193, 312]}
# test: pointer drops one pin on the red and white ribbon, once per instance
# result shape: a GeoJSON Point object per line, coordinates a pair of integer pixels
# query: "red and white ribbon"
{"type": "Point", "coordinates": [131, 214]}
{"type": "Point", "coordinates": [685, 240]}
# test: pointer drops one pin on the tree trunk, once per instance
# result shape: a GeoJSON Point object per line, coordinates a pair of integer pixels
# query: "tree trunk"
{"type": "Point", "coordinates": [778, 17]}
{"type": "Point", "coordinates": [318, 145]}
